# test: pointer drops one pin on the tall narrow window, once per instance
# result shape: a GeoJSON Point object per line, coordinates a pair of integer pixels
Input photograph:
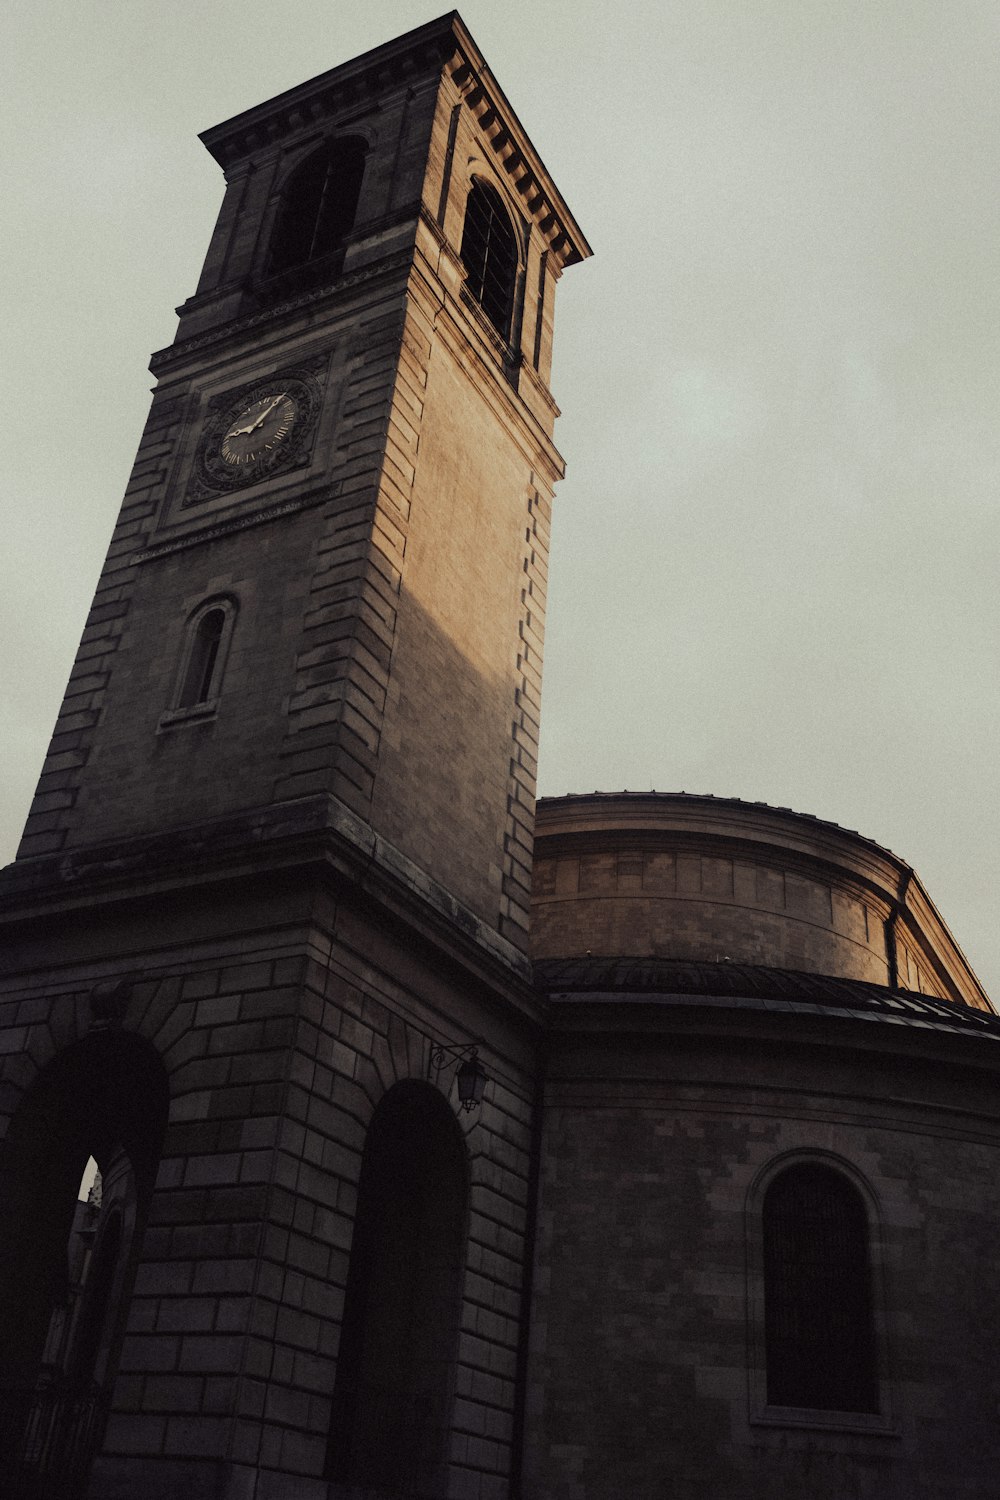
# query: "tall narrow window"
{"type": "Point", "coordinates": [401, 1314]}
{"type": "Point", "coordinates": [206, 646]}
{"type": "Point", "coordinates": [489, 254]}
{"type": "Point", "coordinates": [200, 676]}
{"type": "Point", "coordinates": [818, 1306]}
{"type": "Point", "coordinates": [318, 205]}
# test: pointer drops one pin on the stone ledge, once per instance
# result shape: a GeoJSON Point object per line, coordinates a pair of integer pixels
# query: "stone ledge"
{"type": "Point", "coordinates": [318, 831]}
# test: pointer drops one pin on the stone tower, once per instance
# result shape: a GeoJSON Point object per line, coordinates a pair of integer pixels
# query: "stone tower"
{"type": "Point", "coordinates": [273, 888]}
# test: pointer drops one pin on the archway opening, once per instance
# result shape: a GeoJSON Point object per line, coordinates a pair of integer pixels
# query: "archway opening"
{"type": "Point", "coordinates": [66, 1265]}
{"type": "Point", "coordinates": [401, 1318]}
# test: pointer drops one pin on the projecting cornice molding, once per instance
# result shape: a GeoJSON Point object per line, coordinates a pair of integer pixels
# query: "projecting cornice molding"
{"type": "Point", "coordinates": [516, 155]}
{"type": "Point", "coordinates": [164, 360]}
{"type": "Point", "coordinates": [318, 833]}
{"type": "Point", "coordinates": [352, 86]}
{"type": "Point", "coordinates": [414, 59]}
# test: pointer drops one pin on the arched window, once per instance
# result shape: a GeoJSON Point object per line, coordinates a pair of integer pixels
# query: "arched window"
{"type": "Point", "coordinates": [489, 254]}
{"type": "Point", "coordinates": [200, 675]}
{"type": "Point", "coordinates": [819, 1323]}
{"type": "Point", "coordinates": [318, 205]}
{"type": "Point", "coordinates": [206, 645]}
{"type": "Point", "coordinates": [401, 1314]}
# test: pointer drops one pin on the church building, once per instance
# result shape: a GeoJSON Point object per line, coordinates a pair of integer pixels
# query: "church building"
{"type": "Point", "coordinates": [449, 1146]}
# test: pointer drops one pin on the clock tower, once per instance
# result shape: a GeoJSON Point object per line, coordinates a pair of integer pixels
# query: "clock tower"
{"type": "Point", "coordinates": [270, 907]}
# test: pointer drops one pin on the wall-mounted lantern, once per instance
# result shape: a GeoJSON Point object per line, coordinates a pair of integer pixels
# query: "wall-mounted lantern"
{"type": "Point", "coordinates": [470, 1075]}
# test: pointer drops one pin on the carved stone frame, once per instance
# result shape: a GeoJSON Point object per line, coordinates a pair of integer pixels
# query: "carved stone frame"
{"type": "Point", "coordinates": [212, 476]}
{"type": "Point", "coordinates": [761, 1413]}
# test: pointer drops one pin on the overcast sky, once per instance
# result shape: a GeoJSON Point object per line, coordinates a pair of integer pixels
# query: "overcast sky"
{"type": "Point", "coordinates": [774, 565]}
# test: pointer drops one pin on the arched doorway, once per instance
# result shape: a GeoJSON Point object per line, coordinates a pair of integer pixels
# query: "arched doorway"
{"type": "Point", "coordinates": [64, 1279]}
{"type": "Point", "coordinates": [395, 1369]}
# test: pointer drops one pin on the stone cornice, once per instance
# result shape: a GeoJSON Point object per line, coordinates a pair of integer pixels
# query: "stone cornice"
{"type": "Point", "coordinates": [690, 814]}
{"type": "Point", "coordinates": [515, 152]}
{"type": "Point", "coordinates": [207, 531]}
{"type": "Point", "coordinates": [317, 834]}
{"type": "Point", "coordinates": [407, 60]}
{"type": "Point", "coordinates": [164, 360]}
{"type": "Point", "coordinates": [363, 79]}
{"type": "Point", "coordinates": [642, 1043]}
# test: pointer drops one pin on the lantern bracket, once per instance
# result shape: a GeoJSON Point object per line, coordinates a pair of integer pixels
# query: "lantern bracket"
{"type": "Point", "coordinates": [470, 1074]}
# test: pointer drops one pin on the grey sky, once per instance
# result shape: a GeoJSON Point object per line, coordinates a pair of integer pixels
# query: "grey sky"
{"type": "Point", "coordinates": [775, 552]}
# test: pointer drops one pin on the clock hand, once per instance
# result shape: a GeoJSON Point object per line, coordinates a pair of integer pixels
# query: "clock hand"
{"type": "Point", "coordinates": [245, 431]}
{"type": "Point", "coordinates": [265, 414]}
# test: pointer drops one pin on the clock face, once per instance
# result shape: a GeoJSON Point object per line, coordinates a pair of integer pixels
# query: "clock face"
{"type": "Point", "coordinates": [259, 430]}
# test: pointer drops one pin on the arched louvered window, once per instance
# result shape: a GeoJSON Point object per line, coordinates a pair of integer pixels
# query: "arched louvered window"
{"type": "Point", "coordinates": [818, 1305]}
{"type": "Point", "coordinates": [489, 254]}
{"type": "Point", "coordinates": [318, 205]}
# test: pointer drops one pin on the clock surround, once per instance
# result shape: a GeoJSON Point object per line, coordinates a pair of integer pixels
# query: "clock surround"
{"type": "Point", "coordinates": [258, 431]}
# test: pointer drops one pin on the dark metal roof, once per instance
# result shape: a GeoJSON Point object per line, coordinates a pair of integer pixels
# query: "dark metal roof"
{"type": "Point", "coordinates": [752, 986]}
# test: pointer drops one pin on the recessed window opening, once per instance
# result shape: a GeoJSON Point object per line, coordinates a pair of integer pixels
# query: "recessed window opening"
{"type": "Point", "coordinates": [819, 1314]}
{"type": "Point", "coordinates": [489, 254]}
{"type": "Point", "coordinates": [318, 206]}
{"type": "Point", "coordinates": [94, 1312]}
{"type": "Point", "coordinates": [201, 675]}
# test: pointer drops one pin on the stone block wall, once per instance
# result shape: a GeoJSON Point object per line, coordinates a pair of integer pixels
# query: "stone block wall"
{"type": "Point", "coordinates": [645, 1372]}
{"type": "Point", "coordinates": [277, 1050]}
{"type": "Point", "coordinates": [686, 905]}
{"type": "Point", "coordinates": [456, 781]}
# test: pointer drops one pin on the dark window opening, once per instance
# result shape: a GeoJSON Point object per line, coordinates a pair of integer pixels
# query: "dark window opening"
{"type": "Point", "coordinates": [94, 1314]}
{"type": "Point", "coordinates": [318, 206]}
{"type": "Point", "coordinates": [200, 677]}
{"type": "Point", "coordinates": [489, 254]}
{"type": "Point", "coordinates": [819, 1317]}
{"type": "Point", "coordinates": [401, 1314]}
{"type": "Point", "coordinates": [540, 311]}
